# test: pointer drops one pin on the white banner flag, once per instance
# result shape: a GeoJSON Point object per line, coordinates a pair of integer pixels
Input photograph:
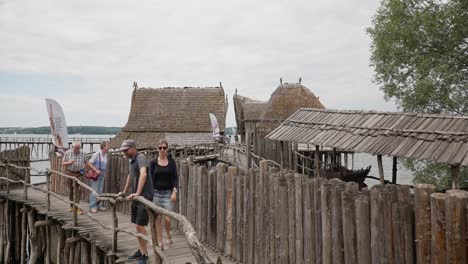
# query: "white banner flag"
{"type": "Point", "coordinates": [214, 126]}
{"type": "Point", "coordinates": [58, 125]}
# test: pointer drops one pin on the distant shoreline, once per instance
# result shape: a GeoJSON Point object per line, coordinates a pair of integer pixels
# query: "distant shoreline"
{"type": "Point", "coordinates": [45, 130]}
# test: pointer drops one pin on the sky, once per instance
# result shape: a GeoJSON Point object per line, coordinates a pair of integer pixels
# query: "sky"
{"type": "Point", "coordinates": [87, 54]}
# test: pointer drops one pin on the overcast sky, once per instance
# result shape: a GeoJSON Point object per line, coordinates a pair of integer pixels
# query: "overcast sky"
{"type": "Point", "coordinates": [86, 54]}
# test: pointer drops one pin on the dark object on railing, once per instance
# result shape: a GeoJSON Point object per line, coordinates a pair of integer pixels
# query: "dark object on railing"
{"type": "Point", "coordinates": [346, 175]}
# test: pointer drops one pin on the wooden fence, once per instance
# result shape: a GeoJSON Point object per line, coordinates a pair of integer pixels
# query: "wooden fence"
{"type": "Point", "coordinates": [271, 216]}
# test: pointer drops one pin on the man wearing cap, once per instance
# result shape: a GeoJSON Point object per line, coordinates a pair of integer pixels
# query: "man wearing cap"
{"type": "Point", "coordinates": [141, 185]}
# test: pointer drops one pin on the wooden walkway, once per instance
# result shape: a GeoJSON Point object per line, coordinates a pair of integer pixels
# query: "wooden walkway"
{"type": "Point", "coordinates": [179, 252]}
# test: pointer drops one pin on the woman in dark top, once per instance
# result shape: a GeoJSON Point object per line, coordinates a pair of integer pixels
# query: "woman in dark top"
{"type": "Point", "coordinates": [164, 174]}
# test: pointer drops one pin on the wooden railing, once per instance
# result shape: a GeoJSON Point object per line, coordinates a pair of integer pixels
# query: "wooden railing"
{"type": "Point", "coordinates": [196, 246]}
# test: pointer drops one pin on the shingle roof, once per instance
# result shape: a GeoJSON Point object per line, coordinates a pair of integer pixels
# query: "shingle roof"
{"type": "Point", "coordinates": [438, 138]}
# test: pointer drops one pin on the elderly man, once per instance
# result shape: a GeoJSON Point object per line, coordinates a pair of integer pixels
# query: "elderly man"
{"type": "Point", "coordinates": [74, 162]}
{"type": "Point", "coordinates": [141, 185]}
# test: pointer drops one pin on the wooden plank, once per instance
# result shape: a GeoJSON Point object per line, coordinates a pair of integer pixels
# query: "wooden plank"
{"type": "Point", "coordinates": [326, 223]}
{"type": "Point", "coordinates": [299, 242]}
{"type": "Point", "coordinates": [336, 221]}
{"type": "Point", "coordinates": [309, 228]}
{"type": "Point", "coordinates": [291, 217]}
{"type": "Point", "coordinates": [438, 228]}
{"type": "Point", "coordinates": [220, 171]}
{"type": "Point", "coordinates": [456, 229]}
{"type": "Point", "coordinates": [229, 204]}
{"type": "Point", "coordinates": [422, 207]}
{"type": "Point", "coordinates": [363, 234]}
{"type": "Point", "coordinates": [348, 216]}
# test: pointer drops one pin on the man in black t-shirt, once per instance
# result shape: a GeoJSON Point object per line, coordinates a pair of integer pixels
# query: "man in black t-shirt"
{"type": "Point", "coordinates": [141, 185]}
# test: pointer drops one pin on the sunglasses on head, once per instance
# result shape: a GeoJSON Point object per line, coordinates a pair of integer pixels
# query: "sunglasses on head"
{"type": "Point", "coordinates": [161, 148]}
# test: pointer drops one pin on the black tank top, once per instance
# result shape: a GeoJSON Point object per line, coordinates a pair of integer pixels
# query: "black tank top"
{"type": "Point", "coordinates": [163, 177]}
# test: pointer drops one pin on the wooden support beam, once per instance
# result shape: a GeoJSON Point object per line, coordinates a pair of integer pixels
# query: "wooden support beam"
{"type": "Point", "coordinates": [394, 170]}
{"type": "Point", "coordinates": [73, 240]}
{"type": "Point", "coordinates": [381, 171]}
{"type": "Point", "coordinates": [317, 161]}
{"type": "Point", "coordinates": [41, 223]}
{"type": "Point", "coordinates": [455, 169]}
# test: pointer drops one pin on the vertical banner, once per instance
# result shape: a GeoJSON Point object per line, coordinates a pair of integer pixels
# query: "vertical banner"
{"type": "Point", "coordinates": [214, 126]}
{"type": "Point", "coordinates": [58, 126]}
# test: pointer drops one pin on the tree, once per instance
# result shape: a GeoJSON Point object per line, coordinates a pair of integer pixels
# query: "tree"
{"type": "Point", "coordinates": [420, 54]}
{"type": "Point", "coordinates": [419, 51]}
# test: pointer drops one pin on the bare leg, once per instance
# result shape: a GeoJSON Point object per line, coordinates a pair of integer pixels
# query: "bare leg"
{"type": "Point", "coordinates": [142, 230]}
{"type": "Point", "coordinates": [159, 230]}
{"type": "Point", "coordinates": [168, 228]}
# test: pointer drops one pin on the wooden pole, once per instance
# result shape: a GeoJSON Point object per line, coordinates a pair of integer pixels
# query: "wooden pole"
{"type": "Point", "coordinates": [326, 223]}
{"type": "Point", "coordinates": [456, 232]}
{"type": "Point", "coordinates": [48, 237]}
{"type": "Point", "coordinates": [7, 175]}
{"type": "Point", "coordinates": [394, 170]}
{"type": "Point", "coordinates": [422, 208]}
{"type": "Point", "coordinates": [381, 171]}
{"type": "Point", "coordinates": [75, 202]}
{"type": "Point", "coordinates": [154, 235]}
{"type": "Point", "coordinates": [455, 169]}
{"type": "Point", "coordinates": [363, 235]}
{"type": "Point", "coordinates": [438, 228]}
{"type": "Point", "coordinates": [317, 161]}
{"type": "Point", "coordinates": [115, 225]}
{"type": "Point", "coordinates": [349, 224]}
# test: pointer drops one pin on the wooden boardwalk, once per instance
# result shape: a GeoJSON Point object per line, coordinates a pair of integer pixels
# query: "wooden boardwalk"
{"type": "Point", "coordinates": [179, 252]}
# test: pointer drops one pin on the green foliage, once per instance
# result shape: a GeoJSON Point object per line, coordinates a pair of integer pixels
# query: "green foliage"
{"type": "Point", "coordinates": [420, 54]}
{"type": "Point", "coordinates": [436, 174]}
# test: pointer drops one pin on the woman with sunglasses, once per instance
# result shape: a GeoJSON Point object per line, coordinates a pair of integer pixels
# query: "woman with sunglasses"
{"type": "Point", "coordinates": [163, 171]}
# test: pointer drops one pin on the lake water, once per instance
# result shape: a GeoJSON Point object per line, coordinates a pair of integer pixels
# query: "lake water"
{"type": "Point", "coordinates": [42, 165]}
{"type": "Point", "coordinates": [361, 160]}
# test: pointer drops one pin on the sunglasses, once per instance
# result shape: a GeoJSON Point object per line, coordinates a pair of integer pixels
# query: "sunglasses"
{"type": "Point", "coordinates": [161, 148]}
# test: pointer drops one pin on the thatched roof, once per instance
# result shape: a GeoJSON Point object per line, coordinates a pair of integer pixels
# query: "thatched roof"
{"type": "Point", "coordinates": [157, 113]}
{"type": "Point", "coordinates": [284, 101]}
{"type": "Point", "coordinates": [437, 138]}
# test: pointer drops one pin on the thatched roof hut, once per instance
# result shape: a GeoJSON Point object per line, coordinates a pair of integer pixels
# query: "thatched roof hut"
{"type": "Point", "coordinates": [284, 101]}
{"type": "Point", "coordinates": [180, 115]}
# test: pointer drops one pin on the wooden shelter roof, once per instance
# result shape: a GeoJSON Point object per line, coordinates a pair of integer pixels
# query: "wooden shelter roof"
{"type": "Point", "coordinates": [437, 138]}
{"type": "Point", "coordinates": [157, 112]}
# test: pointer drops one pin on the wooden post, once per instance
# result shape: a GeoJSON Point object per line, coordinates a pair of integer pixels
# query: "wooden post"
{"type": "Point", "coordinates": [115, 225]}
{"type": "Point", "coordinates": [456, 232]}
{"type": "Point", "coordinates": [455, 169]}
{"type": "Point", "coordinates": [326, 223]}
{"type": "Point", "coordinates": [309, 228]}
{"type": "Point", "coordinates": [259, 206]}
{"type": "Point", "coordinates": [24, 230]}
{"type": "Point", "coordinates": [363, 234]}
{"type": "Point", "coordinates": [337, 221]}
{"type": "Point", "coordinates": [220, 206]}
{"type": "Point", "coordinates": [282, 234]}
{"type": "Point", "coordinates": [381, 171]}
{"type": "Point", "coordinates": [349, 224]}
{"type": "Point", "coordinates": [317, 161]}
{"type": "Point", "coordinates": [299, 221]}
{"type": "Point", "coordinates": [422, 208]}
{"type": "Point", "coordinates": [394, 170]}
{"type": "Point", "coordinates": [438, 228]}
{"type": "Point", "coordinates": [292, 217]}
{"type": "Point", "coordinates": [229, 203]}
{"type": "Point", "coordinates": [7, 173]}
{"type": "Point", "coordinates": [48, 237]}
{"type": "Point", "coordinates": [154, 235]}
{"type": "Point", "coordinates": [75, 202]}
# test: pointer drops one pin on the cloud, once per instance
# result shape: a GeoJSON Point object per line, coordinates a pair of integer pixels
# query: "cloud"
{"type": "Point", "coordinates": [96, 49]}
